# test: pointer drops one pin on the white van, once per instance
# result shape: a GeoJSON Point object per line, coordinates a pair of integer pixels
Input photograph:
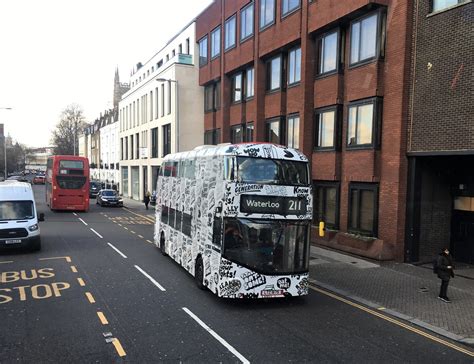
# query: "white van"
{"type": "Point", "coordinates": [18, 216]}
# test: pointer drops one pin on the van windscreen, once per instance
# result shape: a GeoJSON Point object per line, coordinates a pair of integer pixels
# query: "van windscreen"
{"type": "Point", "coordinates": [16, 210]}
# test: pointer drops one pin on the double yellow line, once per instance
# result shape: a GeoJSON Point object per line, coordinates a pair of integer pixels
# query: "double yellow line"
{"type": "Point", "coordinates": [393, 321]}
{"type": "Point", "coordinates": [143, 216]}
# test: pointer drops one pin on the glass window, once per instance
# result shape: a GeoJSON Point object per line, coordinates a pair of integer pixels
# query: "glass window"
{"type": "Point", "coordinates": [16, 210]}
{"type": "Point", "coordinates": [246, 22]}
{"type": "Point", "coordinates": [287, 6]}
{"type": "Point", "coordinates": [249, 83]}
{"type": "Point", "coordinates": [325, 127]}
{"type": "Point", "coordinates": [71, 164]}
{"type": "Point", "coordinates": [236, 134]}
{"type": "Point", "coordinates": [217, 95]}
{"type": "Point", "coordinates": [209, 98]}
{"type": "Point", "coordinates": [154, 143]}
{"type": "Point", "coordinates": [237, 87]}
{"type": "Point", "coordinates": [360, 124]}
{"type": "Point", "coordinates": [216, 42]}
{"type": "Point", "coordinates": [363, 209]}
{"type": "Point", "coordinates": [443, 4]}
{"type": "Point", "coordinates": [249, 132]}
{"type": "Point", "coordinates": [274, 74]}
{"type": "Point", "coordinates": [267, 247]}
{"type": "Point", "coordinates": [70, 183]}
{"type": "Point", "coordinates": [326, 204]}
{"type": "Point", "coordinates": [166, 139]}
{"type": "Point", "coordinates": [273, 131]}
{"type": "Point", "coordinates": [230, 28]}
{"type": "Point", "coordinates": [267, 13]}
{"type": "Point", "coordinates": [293, 132]}
{"type": "Point", "coordinates": [294, 66]}
{"type": "Point", "coordinates": [212, 137]}
{"type": "Point", "coordinates": [203, 51]}
{"type": "Point", "coordinates": [328, 53]}
{"type": "Point", "coordinates": [364, 39]}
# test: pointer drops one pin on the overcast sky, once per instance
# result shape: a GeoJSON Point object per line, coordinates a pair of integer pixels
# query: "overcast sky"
{"type": "Point", "coordinates": [57, 52]}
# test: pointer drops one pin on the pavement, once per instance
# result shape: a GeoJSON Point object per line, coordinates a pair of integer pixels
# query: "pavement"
{"type": "Point", "coordinates": [402, 290]}
{"type": "Point", "coordinates": [406, 291]}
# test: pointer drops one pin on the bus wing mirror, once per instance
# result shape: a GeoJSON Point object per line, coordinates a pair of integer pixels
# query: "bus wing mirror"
{"type": "Point", "coordinates": [41, 217]}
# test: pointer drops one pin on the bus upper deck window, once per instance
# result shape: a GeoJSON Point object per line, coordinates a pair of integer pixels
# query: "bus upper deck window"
{"type": "Point", "coordinates": [229, 168]}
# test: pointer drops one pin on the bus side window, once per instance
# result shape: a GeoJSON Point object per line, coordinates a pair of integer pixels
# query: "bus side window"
{"type": "Point", "coordinates": [164, 214]}
{"type": "Point", "coordinates": [217, 231]}
{"type": "Point", "coordinates": [181, 168]}
{"type": "Point", "coordinates": [174, 169]}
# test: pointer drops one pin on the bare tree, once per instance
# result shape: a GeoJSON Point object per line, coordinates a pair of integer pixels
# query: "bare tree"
{"type": "Point", "coordinates": [65, 136]}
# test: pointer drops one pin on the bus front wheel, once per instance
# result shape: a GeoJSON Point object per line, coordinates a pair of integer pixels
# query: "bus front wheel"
{"type": "Point", "coordinates": [162, 245]}
{"type": "Point", "coordinates": [199, 273]}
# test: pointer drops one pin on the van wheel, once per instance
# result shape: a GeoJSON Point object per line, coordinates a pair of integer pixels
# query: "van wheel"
{"type": "Point", "coordinates": [162, 245]}
{"type": "Point", "coordinates": [199, 274]}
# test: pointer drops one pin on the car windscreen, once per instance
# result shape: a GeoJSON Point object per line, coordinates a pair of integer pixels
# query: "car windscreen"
{"type": "Point", "coordinates": [70, 183]}
{"type": "Point", "coordinates": [271, 171]}
{"type": "Point", "coordinates": [16, 210]}
{"type": "Point", "coordinates": [109, 193]}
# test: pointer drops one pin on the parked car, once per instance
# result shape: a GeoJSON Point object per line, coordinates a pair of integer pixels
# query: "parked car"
{"type": "Point", "coordinates": [94, 188]}
{"type": "Point", "coordinates": [18, 178]}
{"type": "Point", "coordinates": [109, 198]}
{"type": "Point", "coordinates": [39, 180]}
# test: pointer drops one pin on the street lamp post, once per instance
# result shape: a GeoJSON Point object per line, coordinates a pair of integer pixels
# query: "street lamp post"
{"type": "Point", "coordinates": [5, 146]}
{"type": "Point", "coordinates": [176, 101]}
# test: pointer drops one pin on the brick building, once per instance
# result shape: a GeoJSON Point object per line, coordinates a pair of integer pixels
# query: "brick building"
{"type": "Point", "coordinates": [441, 132]}
{"type": "Point", "coordinates": [330, 78]}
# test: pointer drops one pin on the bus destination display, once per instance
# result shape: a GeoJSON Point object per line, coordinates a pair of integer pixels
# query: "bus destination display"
{"type": "Point", "coordinates": [258, 204]}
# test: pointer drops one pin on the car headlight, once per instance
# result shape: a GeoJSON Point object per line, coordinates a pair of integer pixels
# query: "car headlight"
{"type": "Point", "coordinates": [33, 227]}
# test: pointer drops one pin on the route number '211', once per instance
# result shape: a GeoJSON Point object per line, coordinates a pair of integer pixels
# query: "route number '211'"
{"type": "Point", "coordinates": [295, 205]}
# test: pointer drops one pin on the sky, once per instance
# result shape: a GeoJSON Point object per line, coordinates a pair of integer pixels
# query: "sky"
{"type": "Point", "coordinates": [57, 52]}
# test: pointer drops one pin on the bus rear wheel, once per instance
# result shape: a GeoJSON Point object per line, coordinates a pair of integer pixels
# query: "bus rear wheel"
{"type": "Point", "coordinates": [199, 274]}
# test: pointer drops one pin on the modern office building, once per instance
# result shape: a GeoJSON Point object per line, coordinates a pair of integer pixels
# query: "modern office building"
{"type": "Point", "coordinates": [331, 79]}
{"type": "Point", "coordinates": [161, 113]}
{"type": "Point", "coordinates": [441, 132]}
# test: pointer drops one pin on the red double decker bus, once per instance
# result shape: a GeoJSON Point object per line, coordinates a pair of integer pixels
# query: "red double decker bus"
{"type": "Point", "coordinates": [67, 183]}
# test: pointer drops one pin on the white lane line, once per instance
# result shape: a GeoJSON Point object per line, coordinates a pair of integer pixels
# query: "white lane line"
{"type": "Point", "coordinates": [150, 278]}
{"type": "Point", "coordinates": [74, 214]}
{"type": "Point", "coordinates": [96, 233]}
{"type": "Point", "coordinates": [216, 336]}
{"type": "Point", "coordinates": [118, 251]}
{"type": "Point", "coordinates": [85, 223]}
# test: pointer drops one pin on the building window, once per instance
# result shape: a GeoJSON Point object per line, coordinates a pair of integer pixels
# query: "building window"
{"type": "Point", "coordinates": [326, 204]}
{"type": "Point", "coordinates": [365, 37]}
{"type": "Point", "coordinates": [167, 57]}
{"type": "Point", "coordinates": [438, 5]}
{"type": "Point", "coordinates": [203, 51]}
{"type": "Point", "coordinates": [154, 143]}
{"type": "Point", "coordinates": [294, 66]}
{"type": "Point", "coordinates": [363, 208]}
{"type": "Point", "coordinates": [328, 53]}
{"type": "Point", "coordinates": [180, 49]}
{"type": "Point", "coordinates": [274, 74]}
{"type": "Point", "coordinates": [237, 87]}
{"type": "Point", "coordinates": [212, 137]}
{"type": "Point", "coordinates": [230, 28]}
{"type": "Point", "coordinates": [236, 134]}
{"type": "Point", "coordinates": [293, 131]}
{"type": "Point", "coordinates": [212, 97]}
{"type": "Point", "coordinates": [156, 102]}
{"type": "Point", "coordinates": [217, 95]}
{"type": "Point", "coordinates": [249, 127]}
{"type": "Point", "coordinates": [151, 105]}
{"type": "Point", "coordinates": [288, 6]}
{"type": "Point", "coordinates": [187, 45]}
{"type": "Point", "coordinates": [216, 42]}
{"type": "Point", "coordinates": [162, 99]}
{"type": "Point", "coordinates": [169, 97]}
{"type": "Point", "coordinates": [273, 133]}
{"type": "Point", "coordinates": [137, 146]}
{"type": "Point", "coordinates": [326, 128]}
{"type": "Point", "coordinates": [173, 53]}
{"type": "Point", "coordinates": [267, 13]}
{"type": "Point", "coordinates": [246, 22]}
{"type": "Point", "coordinates": [166, 139]}
{"type": "Point", "coordinates": [249, 85]}
{"type": "Point", "coordinates": [131, 146]}
{"type": "Point", "coordinates": [363, 123]}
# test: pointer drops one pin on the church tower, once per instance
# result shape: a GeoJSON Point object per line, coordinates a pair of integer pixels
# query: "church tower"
{"type": "Point", "coordinates": [119, 89]}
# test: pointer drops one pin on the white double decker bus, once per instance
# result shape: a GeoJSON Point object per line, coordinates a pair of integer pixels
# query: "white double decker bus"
{"type": "Point", "coordinates": [237, 217]}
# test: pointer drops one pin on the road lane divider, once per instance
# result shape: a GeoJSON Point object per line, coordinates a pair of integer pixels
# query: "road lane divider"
{"type": "Point", "coordinates": [96, 233]}
{"type": "Point", "coordinates": [118, 347]}
{"type": "Point", "coordinates": [73, 269]}
{"type": "Point", "coordinates": [216, 336]}
{"type": "Point", "coordinates": [118, 251]}
{"type": "Point", "coordinates": [143, 216]}
{"type": "Point", "coordinates": [149, 241]}
{"type": "Point", "coordinates": [85, 223]}
{"type": "Point", "coordinates": [74, 214]}
{"type": "Point", "coordinates": [6, 262]}
{"type": "Point", "coordinates": [391, 319]}
{"type": "Point", "coordinates": [140, 236]}
{"type": "Point", "coordinates": [150, 278]}
{"type": "Point", "coordinates": [81, 282]}
{"type": "Point", "coordinates": [90, 297]}
{"type": "Point", "coordinates": [102, 318]}
{"type": "Point", "coordinates": [133, 232]}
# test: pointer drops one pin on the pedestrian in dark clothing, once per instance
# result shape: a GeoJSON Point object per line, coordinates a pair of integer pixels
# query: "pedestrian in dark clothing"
{"type": "Point", "coordinates": [146, 199]}
{"type": "Point", "coordinates": [445, 270]}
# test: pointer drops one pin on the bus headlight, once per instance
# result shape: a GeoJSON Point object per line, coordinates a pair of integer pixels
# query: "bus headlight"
{"type": "Point", "coordinates": [33, 227]}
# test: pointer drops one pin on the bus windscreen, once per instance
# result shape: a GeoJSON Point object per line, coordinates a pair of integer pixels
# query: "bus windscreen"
{"type": "Point", "coordinates": [272, 171]}
{"type": "Point", "coordinates": [71, 164]}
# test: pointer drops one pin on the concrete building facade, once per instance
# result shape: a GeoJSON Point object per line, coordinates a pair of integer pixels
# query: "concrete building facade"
{"type": "Point", "coordinates": [161, 113]}
{"type": "Point", "coordinates": [327, 77]}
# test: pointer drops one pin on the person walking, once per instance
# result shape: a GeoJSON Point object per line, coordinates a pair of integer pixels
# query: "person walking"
{"type": "Point", "coordinates": [146, 199]}
{"type": "Point", "coordinates": [445, 271]}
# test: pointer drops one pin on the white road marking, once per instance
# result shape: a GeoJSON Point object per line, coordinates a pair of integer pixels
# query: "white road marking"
{"type": "Point", "coordinates": [74, 214]}
{"type": "Point", "coordinates": [96, 233]}
{"type": "Point", "coordinates": [216, 336]}
{"type": "Point", "coordinates": [118, 251]}
{"type": "Point", "coordinates": [85, 223]}
{"type": "Point", "coordinates": [150, 278]}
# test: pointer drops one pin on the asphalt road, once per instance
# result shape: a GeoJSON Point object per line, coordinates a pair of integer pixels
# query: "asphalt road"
{"type": "Point", "coordinates": [100, 291]}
